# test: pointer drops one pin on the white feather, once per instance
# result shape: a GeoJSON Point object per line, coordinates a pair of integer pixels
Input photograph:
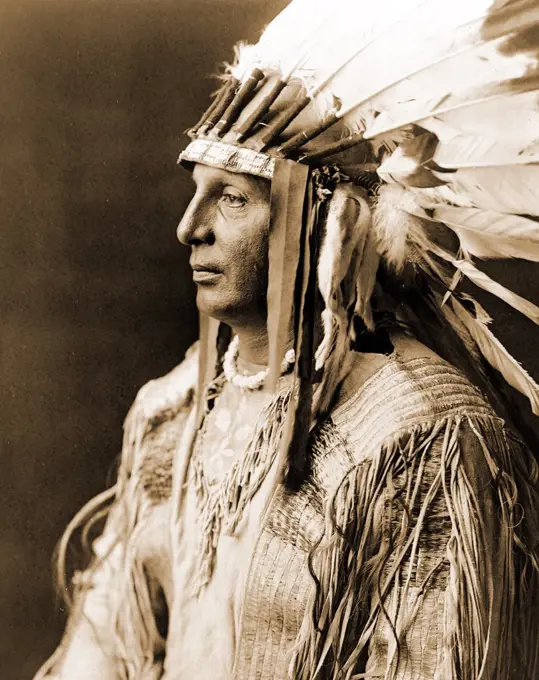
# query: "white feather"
{"type": "Point", "coordinates": [498, 357]}
{"type": "Point", "coordinates": [441, 50]}
{"type": "Point", "coordinates": [485, 233]}
{"type": "Point", "coordinates": [397, 22]}
{"type": "Point", "coordinates": [448, 95]}
{"type": "Point", "coordinates": [410, 163]}
{"type": "Point", "coordinates": [247, 58]}
{"type": "Point", "coordinates": [443, 195]}
{"type": "Point", "coordinates": [490, 120]}
{"type": "Point", "coordinates": [293, 35]}
{"type": "Point", "coordinates": [484, 281]}
{"type": "Point", "coordinates": [506, 190]}
{"type": "Point", "coordinates": [467, 151]}
{"type": "Point", "coordinates": [402, 67]}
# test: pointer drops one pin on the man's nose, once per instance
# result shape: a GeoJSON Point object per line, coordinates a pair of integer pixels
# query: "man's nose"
{"type": "Point", "coordinates": [196, 224]}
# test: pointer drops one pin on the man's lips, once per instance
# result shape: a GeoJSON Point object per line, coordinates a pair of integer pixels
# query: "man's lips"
{"type": "Point", "coordinates": [205, 273]}
{"type": "Point", "coordinates": [205, 268]}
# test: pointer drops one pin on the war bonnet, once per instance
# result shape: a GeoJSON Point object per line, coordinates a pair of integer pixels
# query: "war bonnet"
{"type": "Point", "coordinates": [396, 134]}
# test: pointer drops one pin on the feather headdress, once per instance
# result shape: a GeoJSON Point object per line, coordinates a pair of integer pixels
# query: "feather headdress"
{"type": "Point", "coordinates": [418, 121]}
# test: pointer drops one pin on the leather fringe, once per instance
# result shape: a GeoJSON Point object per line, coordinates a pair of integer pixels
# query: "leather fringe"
{"type": "Point", "coordinates": [222, 508]}
{"type": "Point", "coordinates": [372, 568]}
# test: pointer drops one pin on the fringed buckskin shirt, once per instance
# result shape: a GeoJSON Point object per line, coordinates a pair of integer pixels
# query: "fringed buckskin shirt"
{"type": "Point", "coordinates": [409, 553]}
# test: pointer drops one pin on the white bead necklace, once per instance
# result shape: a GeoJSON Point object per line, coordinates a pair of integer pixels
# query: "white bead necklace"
{"type": "Point", "coordinates": [250, 382]}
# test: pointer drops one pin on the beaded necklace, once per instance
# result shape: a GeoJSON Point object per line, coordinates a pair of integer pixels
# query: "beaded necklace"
{"type": "Point", "coordinates": [250, 382]}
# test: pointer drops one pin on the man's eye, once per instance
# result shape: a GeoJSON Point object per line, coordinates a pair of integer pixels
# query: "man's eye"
{"type": "Point", "coordinates": [233, 199]}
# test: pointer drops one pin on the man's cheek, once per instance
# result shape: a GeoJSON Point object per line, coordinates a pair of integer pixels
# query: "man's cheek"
{"type": "Point", "coordinates": [243, 266]}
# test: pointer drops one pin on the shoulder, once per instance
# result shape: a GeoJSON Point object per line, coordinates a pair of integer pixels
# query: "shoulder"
{"type": "Point", "coordinates": [412, 389]}
{"type": "Point", "coordinates": [154, 425]}
{"type": "Point", "coordinates": [172, 392]}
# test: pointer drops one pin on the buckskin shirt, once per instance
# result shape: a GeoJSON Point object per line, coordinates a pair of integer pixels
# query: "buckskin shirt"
{"type": "Point", "coordinates": [409, 498]}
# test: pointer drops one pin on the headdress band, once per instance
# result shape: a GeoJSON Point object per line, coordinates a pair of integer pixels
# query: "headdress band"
{"type": "Point", "coordinates": [228, 157]}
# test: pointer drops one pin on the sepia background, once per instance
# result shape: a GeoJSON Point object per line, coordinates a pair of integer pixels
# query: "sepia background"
{"type": "Point", "coordinates": [95, 292]}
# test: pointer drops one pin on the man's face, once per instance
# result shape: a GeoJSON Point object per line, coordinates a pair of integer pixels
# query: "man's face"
{"type": "Point", "coordinates": [226, 224]}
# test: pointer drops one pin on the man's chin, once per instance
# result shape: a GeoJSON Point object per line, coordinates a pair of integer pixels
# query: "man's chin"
{"type": "Point", "coordinates": [210, 303]}
{"type": "Point", "coordinates": [234, 313]}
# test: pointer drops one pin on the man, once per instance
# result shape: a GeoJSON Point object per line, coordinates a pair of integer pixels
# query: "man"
{"type": "Point", "coordinates": [315, 491]}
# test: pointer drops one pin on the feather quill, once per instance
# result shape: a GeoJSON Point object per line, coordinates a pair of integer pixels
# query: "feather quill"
{"type": "Point", "coordinates": [498, 357]}
{"type": "Point", "coordinates": [483, 281]}
{"type": "Point", "coordinates": [486, 283]}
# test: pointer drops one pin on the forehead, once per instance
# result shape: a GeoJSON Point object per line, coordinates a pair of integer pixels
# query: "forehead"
{"type": "Point", "coordinates": [207, 176]}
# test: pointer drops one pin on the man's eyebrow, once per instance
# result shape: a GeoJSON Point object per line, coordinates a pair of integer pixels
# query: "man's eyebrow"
{"type": "Point", "coordinates": [246, 185]}
{"type": "Point", "coordinates": [220, 180]}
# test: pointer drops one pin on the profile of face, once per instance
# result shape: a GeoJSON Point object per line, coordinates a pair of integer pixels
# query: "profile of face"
{"type": "Point", "coordinates": [226, 225]}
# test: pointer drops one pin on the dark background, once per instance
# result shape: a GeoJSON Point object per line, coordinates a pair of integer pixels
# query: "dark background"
{"type": "Point", "coordinates": [96, 296]}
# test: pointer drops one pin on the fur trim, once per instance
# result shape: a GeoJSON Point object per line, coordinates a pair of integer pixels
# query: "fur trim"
{"type": "Point", "coordinates": [347, 227]}
{"type": "Point", "coordinates": [396, 219]}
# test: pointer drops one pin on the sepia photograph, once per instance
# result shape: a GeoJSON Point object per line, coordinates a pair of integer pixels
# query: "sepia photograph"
{"type": "Point", "coordinates": [269, 349]}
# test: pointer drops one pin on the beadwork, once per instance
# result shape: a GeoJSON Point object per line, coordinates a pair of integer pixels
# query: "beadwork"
{"type": "Point", "coordinates": [250, 382]}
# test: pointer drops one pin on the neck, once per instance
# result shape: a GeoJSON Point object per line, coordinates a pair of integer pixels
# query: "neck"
{"type": "Point", "coordinates": [253, 346]}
